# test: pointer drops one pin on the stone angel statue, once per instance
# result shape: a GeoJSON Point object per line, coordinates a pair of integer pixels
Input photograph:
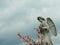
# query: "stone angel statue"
{"type": "Point", "coordinates": [46, 27]}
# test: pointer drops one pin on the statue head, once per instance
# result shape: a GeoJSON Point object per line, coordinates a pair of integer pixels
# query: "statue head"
{"type": "Point", "coordinates": [40, 19]}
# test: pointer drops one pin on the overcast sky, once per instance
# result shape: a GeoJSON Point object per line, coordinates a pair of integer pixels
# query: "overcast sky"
{"type": "Point", "coordinates": [21, 16]}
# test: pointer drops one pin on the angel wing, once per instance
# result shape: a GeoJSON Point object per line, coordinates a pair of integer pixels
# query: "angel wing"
{"type": "Point", "coordinates": [52, 26]}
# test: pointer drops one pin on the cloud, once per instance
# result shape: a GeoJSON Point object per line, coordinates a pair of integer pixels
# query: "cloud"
{"type": "Point", "coordinates": [56, 39]}
{"type": "Point", "coordinates": [20, 16]}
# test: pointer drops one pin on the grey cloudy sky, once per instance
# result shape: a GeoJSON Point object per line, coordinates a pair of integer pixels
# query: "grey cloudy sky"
{"type": "Point", "coordinates": [20, 16]}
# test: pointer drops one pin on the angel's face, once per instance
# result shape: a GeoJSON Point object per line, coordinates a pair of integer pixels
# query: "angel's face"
{"type": "Point", "coordinates": [40, 19]}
